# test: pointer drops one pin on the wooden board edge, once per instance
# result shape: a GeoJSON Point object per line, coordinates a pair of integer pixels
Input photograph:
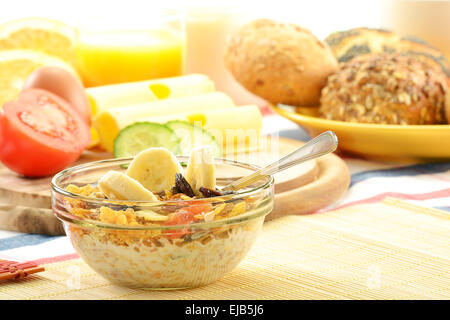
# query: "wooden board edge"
{"type": "Point", "coordinates": [30, 220]}
{"type": "Point", "coordinates": [332, 182]}
{"type": "Point", "coordinates": [26, 200]}
{"type": "Point", "coordinates": [298, 182]}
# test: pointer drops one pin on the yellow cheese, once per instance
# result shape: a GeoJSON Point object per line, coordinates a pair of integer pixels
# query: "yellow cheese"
{"type": "Point", "coordinates": [240, 126]}
{"type": "Point", "coordinates": [108, 123]}
{"type": "Point", "coordinates": [95, 140]}
{"type": "Point", "coordinates": [124, 94]}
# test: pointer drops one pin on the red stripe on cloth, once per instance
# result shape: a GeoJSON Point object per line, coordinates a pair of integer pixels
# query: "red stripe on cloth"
{"type": "Point", "coordinates": [403, 196]}
{"type": "Point", "coordinates": [61, 258]}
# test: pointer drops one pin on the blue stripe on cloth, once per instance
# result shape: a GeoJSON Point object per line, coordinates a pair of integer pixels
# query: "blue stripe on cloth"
{"type": "Point", "coordinates": [443, 208]}
{"type": "Point", "coordinates": [412, 170]}
{"type": "Point", "coordinates": [24, 240]}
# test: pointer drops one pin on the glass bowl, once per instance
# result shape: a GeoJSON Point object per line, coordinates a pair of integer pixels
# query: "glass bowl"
{"type": "Point", "coordinates": [161, 256]}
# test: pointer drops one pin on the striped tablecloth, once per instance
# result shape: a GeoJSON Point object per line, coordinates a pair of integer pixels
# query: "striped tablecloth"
{"type": "Point", "coordinates": [426, 185]}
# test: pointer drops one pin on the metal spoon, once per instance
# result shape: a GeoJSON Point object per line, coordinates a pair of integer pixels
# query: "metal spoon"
{"type": "Point", "coordinates": [322, 144]}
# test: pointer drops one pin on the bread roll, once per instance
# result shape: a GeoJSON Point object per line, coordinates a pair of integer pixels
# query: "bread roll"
{"type": "Point", "coordinates": [280, 62]}
{"type": "Point", "coordinates": [447, 104]}
{"type": "Point", "coordinates": [354, 42]}
{"type": "Point", "coordinates": [386, 89]}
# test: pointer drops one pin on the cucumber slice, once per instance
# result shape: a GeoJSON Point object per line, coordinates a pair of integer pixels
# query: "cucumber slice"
{"type": "Point", "coordinates": [142, 135]}
{"type": "Point", "coordinates": [192, 136]}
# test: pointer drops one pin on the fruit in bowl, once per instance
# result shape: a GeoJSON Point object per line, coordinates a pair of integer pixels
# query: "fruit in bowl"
{"type": "Point", "coordinates": [145, 222]}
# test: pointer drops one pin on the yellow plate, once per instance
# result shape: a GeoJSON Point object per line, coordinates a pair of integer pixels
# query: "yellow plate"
{"type": "Point", "coordinates": [393, 142]}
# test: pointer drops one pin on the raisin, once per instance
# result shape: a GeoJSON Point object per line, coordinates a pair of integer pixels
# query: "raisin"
{"type": "Point", "coordinates": [161, 194]}
{"type": "Point", "coordinates": [183, 186]}
{"type": "Point", "coordinates": [174, 190]}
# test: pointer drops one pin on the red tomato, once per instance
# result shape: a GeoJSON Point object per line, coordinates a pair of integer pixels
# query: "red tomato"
{"type": "Point", "coordinates": [41, 134]}
{"type": "Point", "coordinates": [46, 99]}
{"type": "Point", "coordinates": [62, 83]}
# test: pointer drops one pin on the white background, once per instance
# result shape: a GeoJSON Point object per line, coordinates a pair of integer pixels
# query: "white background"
{"type": "Point", "coordinates": [320, 16]}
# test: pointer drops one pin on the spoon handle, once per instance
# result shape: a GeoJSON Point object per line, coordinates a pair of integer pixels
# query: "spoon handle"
{"type": "Point", "coordinates": [322, 144]}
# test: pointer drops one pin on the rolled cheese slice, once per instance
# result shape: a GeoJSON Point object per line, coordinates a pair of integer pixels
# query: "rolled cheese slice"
{"type": "Point", "coordinates": [229, 126]}
{"type": "Point", "coordinates": [95, 140]}
{"type": "Point", "coordinates": [237, 126]}
{"type": "Point", "coordinates": [108, 123]}
{"type": "Point", "coordinates": [117, 95]}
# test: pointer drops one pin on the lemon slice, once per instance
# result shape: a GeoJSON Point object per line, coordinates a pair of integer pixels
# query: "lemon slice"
{"type": "Point", "coordinates": [16, 66]}
{"type": "Point", "coordinates": [41, 34]}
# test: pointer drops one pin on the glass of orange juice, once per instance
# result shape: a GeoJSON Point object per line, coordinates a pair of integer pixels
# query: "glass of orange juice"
{"type": "Point", "coordinates": [132, 51]}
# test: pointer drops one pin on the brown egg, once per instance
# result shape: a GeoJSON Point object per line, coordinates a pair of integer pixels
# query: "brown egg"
{"type": "Point", "coordinates": [63, 84]}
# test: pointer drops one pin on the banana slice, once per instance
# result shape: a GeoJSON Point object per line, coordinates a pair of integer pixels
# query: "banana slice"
{"type": "Point", "coordinates": [155, 169]}
{"type": "Point", "coordinates": [119, 186]}
{"type": "Point", "coordinates": [201, 169]}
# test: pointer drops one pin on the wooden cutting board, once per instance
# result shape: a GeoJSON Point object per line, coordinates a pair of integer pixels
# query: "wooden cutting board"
{"type": "Point", "coordinates": [25, 204]}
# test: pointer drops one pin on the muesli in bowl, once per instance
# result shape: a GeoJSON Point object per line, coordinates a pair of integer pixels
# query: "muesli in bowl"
{"type": "Point", "coordinates": [147, 222]}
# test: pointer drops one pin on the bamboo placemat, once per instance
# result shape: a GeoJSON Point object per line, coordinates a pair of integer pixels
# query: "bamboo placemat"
{"type": "Point", "coordinates": [386, 250]}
